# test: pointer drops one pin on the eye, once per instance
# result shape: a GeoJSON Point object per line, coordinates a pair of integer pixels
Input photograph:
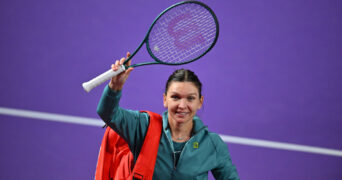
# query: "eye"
{"type": "Point", "coordinates": [191, 98]}
{"type": "Point", "coordinates": [175, 97]}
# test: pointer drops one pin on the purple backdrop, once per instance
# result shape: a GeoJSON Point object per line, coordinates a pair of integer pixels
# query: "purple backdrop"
{"type": "Point", "coordinates": [275, 74]}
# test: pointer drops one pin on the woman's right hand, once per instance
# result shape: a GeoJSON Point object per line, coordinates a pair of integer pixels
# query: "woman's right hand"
{"type": "Point", "coordinates": [117, 82]}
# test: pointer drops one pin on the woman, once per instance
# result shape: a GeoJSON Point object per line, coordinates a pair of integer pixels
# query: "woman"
{"type": "Point", "coordinates": [187, 150]}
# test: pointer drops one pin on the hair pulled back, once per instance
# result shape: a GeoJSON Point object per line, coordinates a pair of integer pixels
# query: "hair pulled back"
{"type": "Point", "coordinates": [184, 75]}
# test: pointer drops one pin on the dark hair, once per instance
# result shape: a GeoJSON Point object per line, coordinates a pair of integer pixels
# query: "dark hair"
{"type": "Point", "coordinates": [184, 75]}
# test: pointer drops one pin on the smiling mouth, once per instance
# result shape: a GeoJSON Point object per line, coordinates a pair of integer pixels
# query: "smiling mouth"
{"type": "Point", "coordinates": [182, 113]}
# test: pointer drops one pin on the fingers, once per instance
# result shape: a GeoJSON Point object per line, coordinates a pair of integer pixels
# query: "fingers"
{"type": "Point", "coordinates": [128, 54]}
{"type": "Point", "coordinates": [115, 66]}
{"type": "Point", "coordinates": [123, 59]}
{"type": "Point", "coordinates": [120, 62]}
{"type": "Point", "coordinates": [129, 70]}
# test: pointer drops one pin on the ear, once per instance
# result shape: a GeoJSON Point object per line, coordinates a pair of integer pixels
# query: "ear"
{"type": "Point", "coordinates": [201, 102]}
{"type": "Point", "coordinates": [164, 100]}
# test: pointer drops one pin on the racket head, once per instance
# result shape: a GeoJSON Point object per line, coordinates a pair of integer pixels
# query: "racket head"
{"type": "Point", "coordinates": [182, 33]}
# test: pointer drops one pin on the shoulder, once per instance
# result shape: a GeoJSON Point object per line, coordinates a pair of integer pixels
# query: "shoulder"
{"type": "Point", "coordinates": [151, 114]}
{"type": "Point", "coordinates": [219, 144]}
{"type": "Point", "coordinates": [215, 138]}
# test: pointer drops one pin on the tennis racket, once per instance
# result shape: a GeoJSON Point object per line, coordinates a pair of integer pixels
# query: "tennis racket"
{"type": "Point", "coordinates": [181, 34]}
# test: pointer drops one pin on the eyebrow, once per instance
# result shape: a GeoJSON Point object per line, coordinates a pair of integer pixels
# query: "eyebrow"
{"type": "Point", "coordinates": [195, 94]}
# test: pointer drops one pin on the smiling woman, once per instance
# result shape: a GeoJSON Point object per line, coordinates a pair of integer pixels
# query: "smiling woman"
{"type": "Point", "coordinates": [187, 149]}
{"type": "Point", "coordinates": [182, 98]}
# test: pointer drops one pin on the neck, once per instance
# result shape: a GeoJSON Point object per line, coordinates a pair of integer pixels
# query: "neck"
{"type": "Point", "coordinates": [181, 132]}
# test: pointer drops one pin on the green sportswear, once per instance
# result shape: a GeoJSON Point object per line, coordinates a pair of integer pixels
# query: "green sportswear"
{"type": "Point", "coordinates": [205, 151]}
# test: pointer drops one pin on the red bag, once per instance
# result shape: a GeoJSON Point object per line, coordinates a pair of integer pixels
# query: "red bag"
{"type": "Point", "coordinates": [115, 159]}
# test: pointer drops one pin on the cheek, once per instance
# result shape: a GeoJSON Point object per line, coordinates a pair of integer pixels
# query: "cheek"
{"type": "Point", "coordinates": [196, 107]}
{"type": "Point", "coordinates": [167, 103]}
{"type": "Point", "coordinates": [193, 109]}
{"type": "Point", "coordinates": [171, 106]}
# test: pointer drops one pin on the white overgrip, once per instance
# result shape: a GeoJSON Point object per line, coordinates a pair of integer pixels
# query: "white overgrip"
{"type": "Point", "coordinates": [88, 86]}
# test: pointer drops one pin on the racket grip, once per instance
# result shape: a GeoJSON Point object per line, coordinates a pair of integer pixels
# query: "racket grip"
{"type": "Point", "coordinates": [88, 86]}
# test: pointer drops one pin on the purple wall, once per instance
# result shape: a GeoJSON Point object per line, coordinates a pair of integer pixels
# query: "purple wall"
{"type": "Point", "coordinates": [275, 74]}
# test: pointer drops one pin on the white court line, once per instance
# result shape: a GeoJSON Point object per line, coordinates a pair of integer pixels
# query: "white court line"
{"type": "Point", "coordinates": [281, 145]}
{"type": "Point", "coordinates": [226, 138]}
{"type": "Point", "coordinates": [51, 117]}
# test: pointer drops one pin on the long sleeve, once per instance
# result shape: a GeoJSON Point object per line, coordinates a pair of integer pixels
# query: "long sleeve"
{"type": "Point", "coordinates": [225, 169]}
{"type": "Point", "coordinates": [130, 125]}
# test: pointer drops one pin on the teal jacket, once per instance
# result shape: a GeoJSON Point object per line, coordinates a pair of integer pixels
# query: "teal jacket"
{"type": "Point", "coordinates": [203, 152]}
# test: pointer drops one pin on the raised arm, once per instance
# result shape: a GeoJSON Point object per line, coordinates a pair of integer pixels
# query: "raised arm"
{"type": "Point", "coordinates": [130, 125]}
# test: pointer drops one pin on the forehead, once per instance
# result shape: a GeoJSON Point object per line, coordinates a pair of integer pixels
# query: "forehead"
{"type": "Point", "coordinates": [183, 88]}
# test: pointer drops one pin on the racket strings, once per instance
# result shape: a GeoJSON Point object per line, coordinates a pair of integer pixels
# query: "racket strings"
{"type": "Point", "coordinates": [182, 34]}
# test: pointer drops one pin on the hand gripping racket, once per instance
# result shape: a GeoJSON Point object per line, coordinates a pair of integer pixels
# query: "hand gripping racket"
{"type": "Point", "coordinates": [181, 34]}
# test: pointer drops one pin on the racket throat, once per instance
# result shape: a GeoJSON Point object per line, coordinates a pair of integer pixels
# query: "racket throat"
{"type": "Point", "coordinates": [143, 64]}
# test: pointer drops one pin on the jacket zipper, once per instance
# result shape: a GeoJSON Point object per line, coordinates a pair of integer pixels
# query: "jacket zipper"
{"type": "Point", "coordinates": [174, 162]}
{"type": "Point", "coordinates": [173, 151]}
{"type": "Point", "coordinates": [189, 141]}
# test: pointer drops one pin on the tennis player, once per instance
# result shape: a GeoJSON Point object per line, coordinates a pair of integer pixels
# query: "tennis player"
{"type": "Point", "coordinates": [187, 149]}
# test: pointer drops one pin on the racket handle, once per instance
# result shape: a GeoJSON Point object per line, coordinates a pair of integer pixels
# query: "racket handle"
{"type": "Point", "coordinates": [88, 86]}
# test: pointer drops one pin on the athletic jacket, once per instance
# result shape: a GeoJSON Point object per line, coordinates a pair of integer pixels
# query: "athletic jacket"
{"type": "Point", "coordinates": [203, 152]}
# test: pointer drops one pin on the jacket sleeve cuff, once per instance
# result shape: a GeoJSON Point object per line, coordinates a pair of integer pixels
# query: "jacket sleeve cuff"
{"type": "Point", "coordinates": [112, 93]}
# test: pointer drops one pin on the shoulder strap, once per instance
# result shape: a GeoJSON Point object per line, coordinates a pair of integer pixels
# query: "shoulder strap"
{"type": "Point", "coordinates": [144, 166]}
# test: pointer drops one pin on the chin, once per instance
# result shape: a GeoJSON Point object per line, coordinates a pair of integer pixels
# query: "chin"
{"type": "Point", "coordinates": [180, 120]}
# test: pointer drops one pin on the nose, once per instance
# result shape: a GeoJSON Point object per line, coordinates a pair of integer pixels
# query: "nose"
{"type": "Point", "coordinates": [182, 103]}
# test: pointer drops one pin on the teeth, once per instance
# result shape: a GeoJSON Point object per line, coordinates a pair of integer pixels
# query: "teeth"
{"type": "Point", "coordinates": [182, 113]}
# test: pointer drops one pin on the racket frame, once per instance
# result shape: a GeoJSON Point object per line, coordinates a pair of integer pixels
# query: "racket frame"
{"type": "Point", "coordinates": [158, 61]}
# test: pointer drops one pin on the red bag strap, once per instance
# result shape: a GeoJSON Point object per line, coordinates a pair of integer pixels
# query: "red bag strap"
{"type": "Point", "coordinates": [144, 166]}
